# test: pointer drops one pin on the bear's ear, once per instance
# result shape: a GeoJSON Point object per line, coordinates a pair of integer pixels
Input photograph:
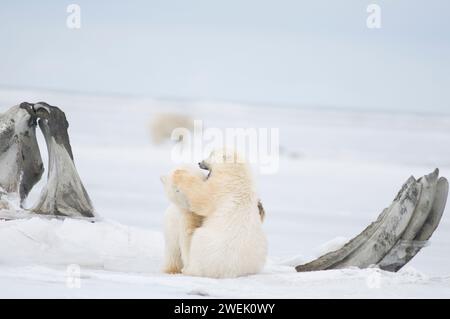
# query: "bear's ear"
{"type": "Point", "coordinates": [163, 179]}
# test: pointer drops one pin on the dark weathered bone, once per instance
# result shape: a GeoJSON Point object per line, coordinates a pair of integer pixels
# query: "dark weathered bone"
{"type": "Point", "coordinates": [437, 210]}
{"type": "Point", "coordinates": [350, 252]}
{"type": "Point", "coordinates": [387, 235]}
{"type": "Point", "coordinates": [64, 194]}
{"type": "Point", "coordinates": [399, 232]}
{"type": "Point", "coordinates": [407, 247]}
{"type": "Point", "coordinates": [20, 160]}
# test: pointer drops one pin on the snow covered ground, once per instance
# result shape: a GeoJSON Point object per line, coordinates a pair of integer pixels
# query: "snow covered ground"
{"type": "Point", "coordinates": [338, 170]}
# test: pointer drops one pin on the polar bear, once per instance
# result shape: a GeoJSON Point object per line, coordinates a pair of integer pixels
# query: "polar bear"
{"type": "Point", "coordinates": [163, 124]}
{"type": "Point", "coordinates": [230, 241]}
{"type": "Point", "coordinates": [179, 224]}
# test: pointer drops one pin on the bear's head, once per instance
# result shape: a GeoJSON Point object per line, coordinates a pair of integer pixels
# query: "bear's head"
{"type": "Point", "coordinates": [224, 160]}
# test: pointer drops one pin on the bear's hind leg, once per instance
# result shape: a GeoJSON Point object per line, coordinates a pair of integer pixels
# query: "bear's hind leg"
{"type": "Point", "coordinates": [172, 255]}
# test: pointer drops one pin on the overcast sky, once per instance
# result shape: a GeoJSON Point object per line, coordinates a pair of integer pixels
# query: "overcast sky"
{"type": "Point", "coordinates": [315, 53]}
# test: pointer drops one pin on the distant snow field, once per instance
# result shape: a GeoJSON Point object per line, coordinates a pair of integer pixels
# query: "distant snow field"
{"type": "Point", "coordinates": [338, 170]}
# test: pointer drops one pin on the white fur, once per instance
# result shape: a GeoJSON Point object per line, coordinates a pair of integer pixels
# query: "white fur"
{"type": "Point", "coordinates": [177, 230]}
{"type": "Point", "coordinates": [230, 242]}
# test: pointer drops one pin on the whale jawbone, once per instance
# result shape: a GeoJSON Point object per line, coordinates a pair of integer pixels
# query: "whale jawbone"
{"type": "Point", "coordinates": [398, 234]}
{"type": "Point", "coordinates": [21, 164]}
{"type": "Point", "coordinates": [20, 159]}
{"type": "Point", "coordinates": [64, 193]}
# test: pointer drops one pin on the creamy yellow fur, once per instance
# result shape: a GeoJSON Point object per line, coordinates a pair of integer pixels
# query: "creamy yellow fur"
{"type": "Point", "coordinates": [202, 195]}
{"type": "Point", "coordinates": [180, 224]}
{"type": "Point", "coordinates": [230, 241]}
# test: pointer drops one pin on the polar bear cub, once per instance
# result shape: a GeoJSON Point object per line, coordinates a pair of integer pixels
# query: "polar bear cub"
{"type": "Point", "coordinates": [230, 242]}
{"type": "Point", "coordinates": [179, 225]}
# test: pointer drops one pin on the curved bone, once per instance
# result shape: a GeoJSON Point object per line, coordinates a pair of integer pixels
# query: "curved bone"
{"type": "Point", "coordinates": [20, 159]}
{"type": "Point", "coordinates": [408, 246]}
{"type": "Point", "coordinates": [399, 232]}
{"type": "Point", "coordinates": [363, 248]}
{"type": "Point", "coordinates": [64, 194]}
{"type": "Point", "coordinates": [429, 183]}
{"type": "Point", "coordinates": [437, 210]}
{"type": "Point", "coordinates": [327, 261]}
